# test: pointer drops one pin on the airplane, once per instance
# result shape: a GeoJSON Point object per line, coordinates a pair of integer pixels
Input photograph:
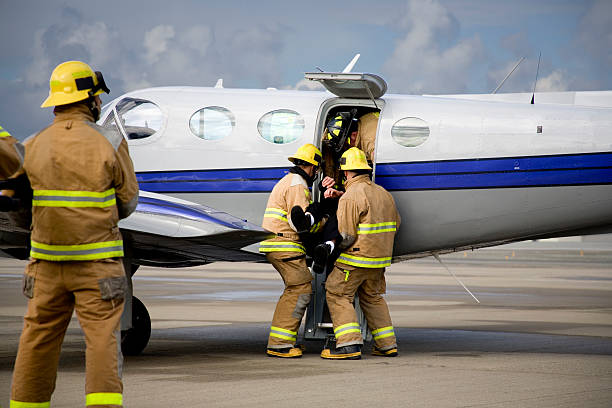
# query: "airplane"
{"type": "Point", "coordinates": [466, 171]}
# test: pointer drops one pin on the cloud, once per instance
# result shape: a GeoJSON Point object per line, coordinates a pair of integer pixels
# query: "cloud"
{"type": "Point", "coordinates": [427, 57]}
{"type": "Point", "coordinates": [556, 81]}
{"type": "Point", "coordinates": [156, 42]}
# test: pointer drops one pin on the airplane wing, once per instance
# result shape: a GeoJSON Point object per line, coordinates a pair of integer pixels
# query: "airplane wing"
{"type": "Point", "coordinates": [166, 231]}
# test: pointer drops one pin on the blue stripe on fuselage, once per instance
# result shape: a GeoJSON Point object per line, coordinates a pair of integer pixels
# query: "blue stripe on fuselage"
{"type": "Point", "coordinates": [531, 171]}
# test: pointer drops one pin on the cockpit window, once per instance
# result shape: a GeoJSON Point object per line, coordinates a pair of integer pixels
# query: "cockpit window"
{"type": "Point", "coordinates": [281, 126]}
{"type": "Point", "coordinates": [212, 123]}
{"type": "Point", "coordinates": [139, 118]}
{"type": "Point", "coordinates": [410, 132]}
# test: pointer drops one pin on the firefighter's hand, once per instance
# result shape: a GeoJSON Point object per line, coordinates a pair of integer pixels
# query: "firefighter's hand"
{"type": "Point", "coordinates": [332, 193]}
{"type": "Point", "coordinates": [328, 182]}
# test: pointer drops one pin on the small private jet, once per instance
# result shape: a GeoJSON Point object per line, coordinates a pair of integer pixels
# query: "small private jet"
{"type": "Point", "coordinates": [466, 171]}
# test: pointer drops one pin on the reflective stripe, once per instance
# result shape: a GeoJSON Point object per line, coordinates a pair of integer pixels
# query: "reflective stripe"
{"type": "Point", "coordinates": [283, 333]}
{"type": "Point", "coordinates": [364, 262]}
{"type": "Point", "coordinates": [383, 332]}
{"type": "Point", "coordinates": [377, 228]}
{"type": "Point", "coordinates": [20, 404]}
{"type": "Point", "coordinates": [316, 227]}
{"type": "Point", "coordinates": [104, 398]}
{"type": "Point", "coordinates": [346, 329]}
{"type": "Point", "coordinates": [277, 213]}
{"type": "Point", "coordinates": [281, 246]}
{"type": "Point", "coordinates": [84, 252]}
{"type": "Point", "coordinates": [63, 198]}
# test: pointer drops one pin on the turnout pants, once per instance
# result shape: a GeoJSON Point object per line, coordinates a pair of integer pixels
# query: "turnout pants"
{"type": "Point", "coordinates": [95, 289]}
{"type": "Point", "coordinates": [342, 284]}
{"type": "Point", "coordinates": [294, 300]}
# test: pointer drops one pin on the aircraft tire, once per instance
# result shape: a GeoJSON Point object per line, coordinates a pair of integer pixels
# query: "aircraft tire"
{"type": "Point", "coordinates": [134, 340]}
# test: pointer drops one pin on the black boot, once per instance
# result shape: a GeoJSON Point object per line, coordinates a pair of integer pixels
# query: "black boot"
{"type": "Point", "coordinates": [300, 220]}
{"type": "Point", "coordinates": [320, 256]}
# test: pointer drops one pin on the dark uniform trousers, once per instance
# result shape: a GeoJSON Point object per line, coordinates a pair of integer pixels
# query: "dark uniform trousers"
{"type": "Point", "coordinates": [96, 290]}
{"type": "Point", "coordinates": [370, 285]}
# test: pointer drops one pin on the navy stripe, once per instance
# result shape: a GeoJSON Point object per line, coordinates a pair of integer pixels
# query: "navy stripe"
{"type": "Point", "coordinates": [506, 172]}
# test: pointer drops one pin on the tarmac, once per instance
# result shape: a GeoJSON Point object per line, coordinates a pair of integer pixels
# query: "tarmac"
{"type": "Point", "coordinates": [541, 336]}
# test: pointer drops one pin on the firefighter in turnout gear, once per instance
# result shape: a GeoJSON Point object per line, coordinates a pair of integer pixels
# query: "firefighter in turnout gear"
{"type": "Point", "coordinates": [287, 253]}
{"type": "Point", "coordinates": [367, 221]}
{"type": "Point", "coordinates": [83, 182]}
{"type": "Point", "coordinates": [11, 154]}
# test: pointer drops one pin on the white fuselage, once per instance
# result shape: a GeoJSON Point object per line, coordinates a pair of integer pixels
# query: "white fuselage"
{"type": "Point", "coordinates": [488, 172]}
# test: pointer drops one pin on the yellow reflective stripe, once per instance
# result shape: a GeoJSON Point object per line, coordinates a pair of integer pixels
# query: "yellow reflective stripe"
{"type": "Point", "coordinates": [281, 246]}
{"type": "Point", "coordinates": [104, 398]}
{"type": "Point", "coordinates": [83, 252]}
{"type": "Point", "coordinates": [382, 336]}
{"type": "Point", "coordinates": [283, 333]}
{"type": "Point", "coordinates": [364, 262]}
{"type": "Point", "coordinates": [382, 329]}
{"type": "Point", "coordinates": [347, 328]}
{"type": "Point", "coordinates": [346, 275]}
{"type": "Point", "coordinates": [377, 228]}
{"type": "Point", "coordinates": [21, 404]}
{"type": "Point", "coordinates": [67, 198]}
{"type": "Point", "coordinates": [277, 213]}
{"type": "Point", "coordinates": [316, 227]}
{"type": "Point", "coordinates": [283, 330]}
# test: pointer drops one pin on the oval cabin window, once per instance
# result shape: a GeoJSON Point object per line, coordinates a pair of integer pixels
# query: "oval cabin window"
{"type": "Point", "coordinates": [410, 132]}
{"type": "Point", "coordinates": [212, 123]}
{"type": "Point", "coordinates": [281, 126]}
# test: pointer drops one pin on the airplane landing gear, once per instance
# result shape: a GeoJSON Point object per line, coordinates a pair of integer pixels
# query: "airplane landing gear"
{"type": "Point", "coordinates": [135, 339]}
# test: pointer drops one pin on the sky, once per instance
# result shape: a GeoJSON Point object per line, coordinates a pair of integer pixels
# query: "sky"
{"type": "Point", "coordinates": [417, 46]}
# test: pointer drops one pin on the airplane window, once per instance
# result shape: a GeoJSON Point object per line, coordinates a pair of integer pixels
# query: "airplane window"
{"type": "Point", "coordinates": [281, 126]}
{"type": "Point", "coordinates": [140, 118]}
{"type": "Point", "coordinates": [410, 132]}
{"type": "Point", "coordinates": [212, 123]}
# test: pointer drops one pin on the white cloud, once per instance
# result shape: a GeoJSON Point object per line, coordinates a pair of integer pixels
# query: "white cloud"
{"type": "Point", "coordinates": [556, 81]}
{"type": "Point", "coordinates": [427, 58]}
{"type": "Point", "coordinates": [156, 42]}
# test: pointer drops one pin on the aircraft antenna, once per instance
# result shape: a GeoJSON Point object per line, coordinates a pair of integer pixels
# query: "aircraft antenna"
{"type": "Point", "coordinates": [536, 80]}
{"type": "Point", "coordinates": [351, 64]}
{"type": "Point", "coordinates": [219, 83]}
{"type": "Point", "coordinates": [508, 76]}
{"type": "Point", "coordinates": [435, 255]}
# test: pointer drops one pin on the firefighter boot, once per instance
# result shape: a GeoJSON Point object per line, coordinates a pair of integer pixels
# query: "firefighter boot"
{"type": "Point", "coordinates": [289, 352]}
{"type": "Point", "coordinates": [352, 352]}
{"type": "Point", "coordinates": [392, 352]}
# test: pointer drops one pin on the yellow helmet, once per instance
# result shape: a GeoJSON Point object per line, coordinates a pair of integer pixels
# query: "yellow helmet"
{"type": "Point", "coordinates": [308, 153]}
{"type": "Point", "coordinates": [354, 159]}
{"type": "Point", "coordinates": [3, 132]}
{"type": "Point", "coordinates": [73, 81]}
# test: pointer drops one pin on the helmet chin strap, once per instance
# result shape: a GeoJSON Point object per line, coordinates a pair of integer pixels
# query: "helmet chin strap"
{"type": "Point", "coordinates": [93, 108]}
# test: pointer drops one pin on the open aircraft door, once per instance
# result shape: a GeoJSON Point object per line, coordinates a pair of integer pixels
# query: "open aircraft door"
{"type": "Point", "coordinates": [350, 85]}
{"type": "Point", "coordinates": [354, 91]}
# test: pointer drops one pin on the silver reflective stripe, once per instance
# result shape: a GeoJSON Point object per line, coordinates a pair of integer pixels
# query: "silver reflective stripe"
{"type": "Point", "coordinates": [364, 262]}
{"type": "Point", "coordinates": [73, 198]}
{"type": "Point", "coordinates": [282, 333]}
{"type": "Point", "coordinates": [381, 333]}
{"type": "Point", "coordinates": [78, 252]}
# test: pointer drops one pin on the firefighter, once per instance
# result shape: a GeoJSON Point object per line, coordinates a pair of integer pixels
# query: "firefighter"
{"type": "Point", "coordinates": [83, 182]}
{"type": "Point", "coordinates": [286, 252]}
{"type": "Point", "coordinates": [11, 157]}
{"type": "Point", "coordinates": [11, 154]}
{"type": "Point", "coordinates": [367, 222]}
